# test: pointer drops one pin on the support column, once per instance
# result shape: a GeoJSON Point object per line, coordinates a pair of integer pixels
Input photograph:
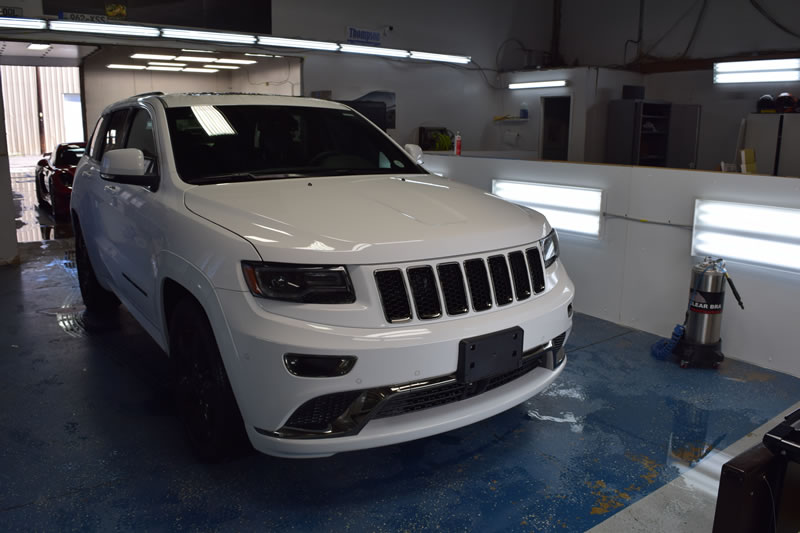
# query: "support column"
{"type": "Point", "coordinates": [8, 233]}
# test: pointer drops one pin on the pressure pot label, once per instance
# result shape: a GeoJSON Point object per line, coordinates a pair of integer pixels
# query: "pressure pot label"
{"type": "Point", "coordinates": [709, 303]}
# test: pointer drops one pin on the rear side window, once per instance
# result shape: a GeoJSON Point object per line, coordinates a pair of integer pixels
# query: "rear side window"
{"type": "Point", "coordinates": [112, 139]}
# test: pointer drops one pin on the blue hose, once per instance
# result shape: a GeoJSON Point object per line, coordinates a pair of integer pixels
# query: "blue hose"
{"type": "Point", "coordinates": [662, 349]}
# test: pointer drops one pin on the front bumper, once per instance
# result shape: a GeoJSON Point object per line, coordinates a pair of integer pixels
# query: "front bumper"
{"type": "Point", "coordinates": [389, 357]}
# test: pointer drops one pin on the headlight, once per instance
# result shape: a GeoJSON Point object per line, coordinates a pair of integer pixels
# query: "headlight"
{"type": "Point", "coordinates": [299, 283]}
{"type": "Point", "coordinates": [549, 248]}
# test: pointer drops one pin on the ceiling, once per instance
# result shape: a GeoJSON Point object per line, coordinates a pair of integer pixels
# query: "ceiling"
{"type": "Point", "coordinates": [60, 55]}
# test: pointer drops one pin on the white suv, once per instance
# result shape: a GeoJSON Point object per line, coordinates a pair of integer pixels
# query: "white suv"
{"type": "Point", "coordinates": [314, 286]}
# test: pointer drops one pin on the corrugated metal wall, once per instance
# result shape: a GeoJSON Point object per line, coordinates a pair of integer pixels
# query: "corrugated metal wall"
{"type": "Point", "coordinates": [21, 106]}
{"type": "Point", "coordinates": [21, 109]}
{"type": "Point", "coordinates": [56, 82]}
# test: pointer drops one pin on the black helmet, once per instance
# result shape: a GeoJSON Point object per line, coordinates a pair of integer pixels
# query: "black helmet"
{"type": "Point", "coordinates": [766, 104]}
{"type": "Point", "coordinates": [785, 103]}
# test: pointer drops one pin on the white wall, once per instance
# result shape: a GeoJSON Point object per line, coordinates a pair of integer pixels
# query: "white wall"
{"type": "Point", "coordinates": [271, 76]}
{"type": "Point", "coordinates": [590, 88]}
{"type": "Point", "coordinates": [638, 274]}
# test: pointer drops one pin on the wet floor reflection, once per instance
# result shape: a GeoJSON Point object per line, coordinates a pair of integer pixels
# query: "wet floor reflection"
{"type": "Point", "coordinates": [33, 222]}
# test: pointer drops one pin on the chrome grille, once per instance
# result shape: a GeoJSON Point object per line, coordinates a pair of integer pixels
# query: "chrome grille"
{"type": "Point", "coordinates": [456, 288]}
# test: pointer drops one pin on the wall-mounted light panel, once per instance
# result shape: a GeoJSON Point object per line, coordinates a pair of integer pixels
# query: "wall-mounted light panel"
{"type": "Point", "coordinates": [764, 70]}
{"type": "Point", "coordinates": [538, 84]}
{"type": "Point", "coordinates": [214, 36]}
{"type": "Point", "coordinates": [443, 58]}
{"type": "Point", "coordinates": [755, 234]}
{"type": "Point", "coordinates": [298, 43]}
{"type": "Point", "coordinates": [374, 50]}
{"type": "Point", "coordinates": [567, 208]}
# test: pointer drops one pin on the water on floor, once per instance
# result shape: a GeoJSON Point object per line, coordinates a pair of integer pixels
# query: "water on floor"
{"type": "Point", "coordinates": [34, 223]}
{"type": "Point", "coordinates": [89, 438]}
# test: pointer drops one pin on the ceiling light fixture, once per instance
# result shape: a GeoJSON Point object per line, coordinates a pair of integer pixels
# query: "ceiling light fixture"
{"type": "Point", "coordinates": [167, 69]}
{"type": "Point", "coordinates": [198, 51]}
{"type": "Point", "coordinates": [373, 50]}
{"type": "Point", "coordinates": [126, 67]}
{"type": "Point", "coordinates": [38, 46]}
{"type": "Point", "coordinates": [298, 43]}
{"type": "Point", "coordinates": [215, 65]}
{"type": "Point", "coordinates": [195, 59]}
{"type": "Point", "coordinates": [538, 84]}
{"type": "Point", "coordinates": [259, 55]}
{"type": "Point", "coordinates": [110, 29]}
{"type": "Point", "coordinates": [764, 70]}
{"type": "Point", "coordinates": [159, 57]}
{"type": "Point", "coordinates": [203, 70]}
{"type": "Point", "coordinates": [163, 64]}
{"type": "Point", "coordinates": [427, 56]}
{"type": "Point", "coordinates": [236, 61]}
{"type": "Point", "coordinates": [22, 24]}
{"type": "Point", "coordinates": [239, 38]}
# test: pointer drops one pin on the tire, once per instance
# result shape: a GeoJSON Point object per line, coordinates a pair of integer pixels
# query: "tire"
{"type": "Point", "coordinates": [40, 190]}
{"type": "Point", "coordinates": [205, 402]}
{"type": "Point", "coordinates": [55, 202]}
{"type": "Point", "coordinates": [95, 297]}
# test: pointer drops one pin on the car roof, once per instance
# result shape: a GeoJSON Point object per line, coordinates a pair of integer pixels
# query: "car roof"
{"type": "Point", "coordinates": [189, 99]}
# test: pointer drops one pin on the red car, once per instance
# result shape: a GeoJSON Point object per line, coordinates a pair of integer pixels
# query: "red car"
{"type": "Point", "coordinates": [54, 175]}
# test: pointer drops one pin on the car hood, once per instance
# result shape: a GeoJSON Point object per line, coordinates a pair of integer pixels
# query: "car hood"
{"type": "Point", "coordinates": [365, 219]}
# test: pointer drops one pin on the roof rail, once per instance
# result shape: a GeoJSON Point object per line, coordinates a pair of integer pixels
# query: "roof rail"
{"type": "Point", "coordinates": [152, 93]}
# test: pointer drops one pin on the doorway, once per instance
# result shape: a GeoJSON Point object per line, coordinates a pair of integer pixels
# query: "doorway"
{"type": "Point", "coordinates": [554, 137]}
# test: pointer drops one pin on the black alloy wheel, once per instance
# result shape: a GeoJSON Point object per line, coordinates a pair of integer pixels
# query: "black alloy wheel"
{"type": "Point", "coordinates": [205, 401]}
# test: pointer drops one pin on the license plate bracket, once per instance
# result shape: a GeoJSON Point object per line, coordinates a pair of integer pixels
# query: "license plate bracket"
{"type": "Point", "coordinates": [488, 355]}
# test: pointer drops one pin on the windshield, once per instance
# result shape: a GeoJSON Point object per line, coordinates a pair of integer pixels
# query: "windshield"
{"type": "Point", "coordinates": [218, 144]}
{"type": "Point", "coordinates": [69, 155]}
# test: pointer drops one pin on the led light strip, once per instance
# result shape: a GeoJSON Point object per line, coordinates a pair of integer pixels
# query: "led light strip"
{"type": "Point", "coordinates": [212, 36]}
{"type": "Point", "coordinates": [759, 71]}
{"type": "Point", "coordinates": [538, 84]}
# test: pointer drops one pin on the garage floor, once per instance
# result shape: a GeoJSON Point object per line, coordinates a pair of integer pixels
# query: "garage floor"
{"type": "Point", "coordinates": [89, 440]}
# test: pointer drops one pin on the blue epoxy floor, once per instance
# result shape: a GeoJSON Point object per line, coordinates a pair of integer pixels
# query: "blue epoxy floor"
{"type": "Point", "coordinates": [89, 440]}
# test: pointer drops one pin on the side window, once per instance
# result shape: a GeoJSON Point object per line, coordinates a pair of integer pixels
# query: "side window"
{"type": "Point", "coordinates": [97, 138]}
{"type": "Point", "coordinates": [140, 136]}
{"type": "Point", "coordinates": [113, 136]}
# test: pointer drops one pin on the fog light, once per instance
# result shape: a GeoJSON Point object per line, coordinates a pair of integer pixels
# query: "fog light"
{"type": "Point", "coordinates": [560, 355]}
{"type": "Point", "coordinates": [318, 366]}
{"type": "Point", "coordinates": [569, 310]}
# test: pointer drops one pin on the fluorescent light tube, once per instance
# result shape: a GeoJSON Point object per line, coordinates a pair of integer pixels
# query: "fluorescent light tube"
{"type": "Point", "coordinates": [160, 57]}
{"type": "Point", "coordinates": [297, 43]}
{"type": "Point", "coordinates": [110, 29]}
{"type": "Point", "coordinates": [537, 84]}
{"type": "Point", "coordinates": [216, 65]}
{"type": "Point", "coordinates": [237, 61]}
{"type": "Point", "coordinates": [196, 59]}
{"type": "Point", "coordinates": [198, 51]}
{"type": "Point", "coordinates": [167, 69]}
{"type": "Point", "coordinates": [373, 50]}
{"type": "Point", "coordinates": [126, 67]}
{"type": "Point", "coordinates": [38, 46]}
{"type": "Point", "coordinates": [755, 234]}
{"type": "Point", "coordinates": [170, 64]}
{"type": "Point", "coordinates": [203, 70]}
{"type": "Point", "coordinates": [213, 122]}
{"type": "Point", "coordinates": [759, 65]}
{"type": "Point", "coordinates": [427, 56]}
{"type": "Point", "coordinates": [757, 77]}
{"type": "Point", "coordinates": [567, 208]}
{"type": "Point", "coordinates": [22, 24]}
{"type": "Point", "coordinates": [174, 33]}
{"type": "Point", "coordinates": [259, 55]}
